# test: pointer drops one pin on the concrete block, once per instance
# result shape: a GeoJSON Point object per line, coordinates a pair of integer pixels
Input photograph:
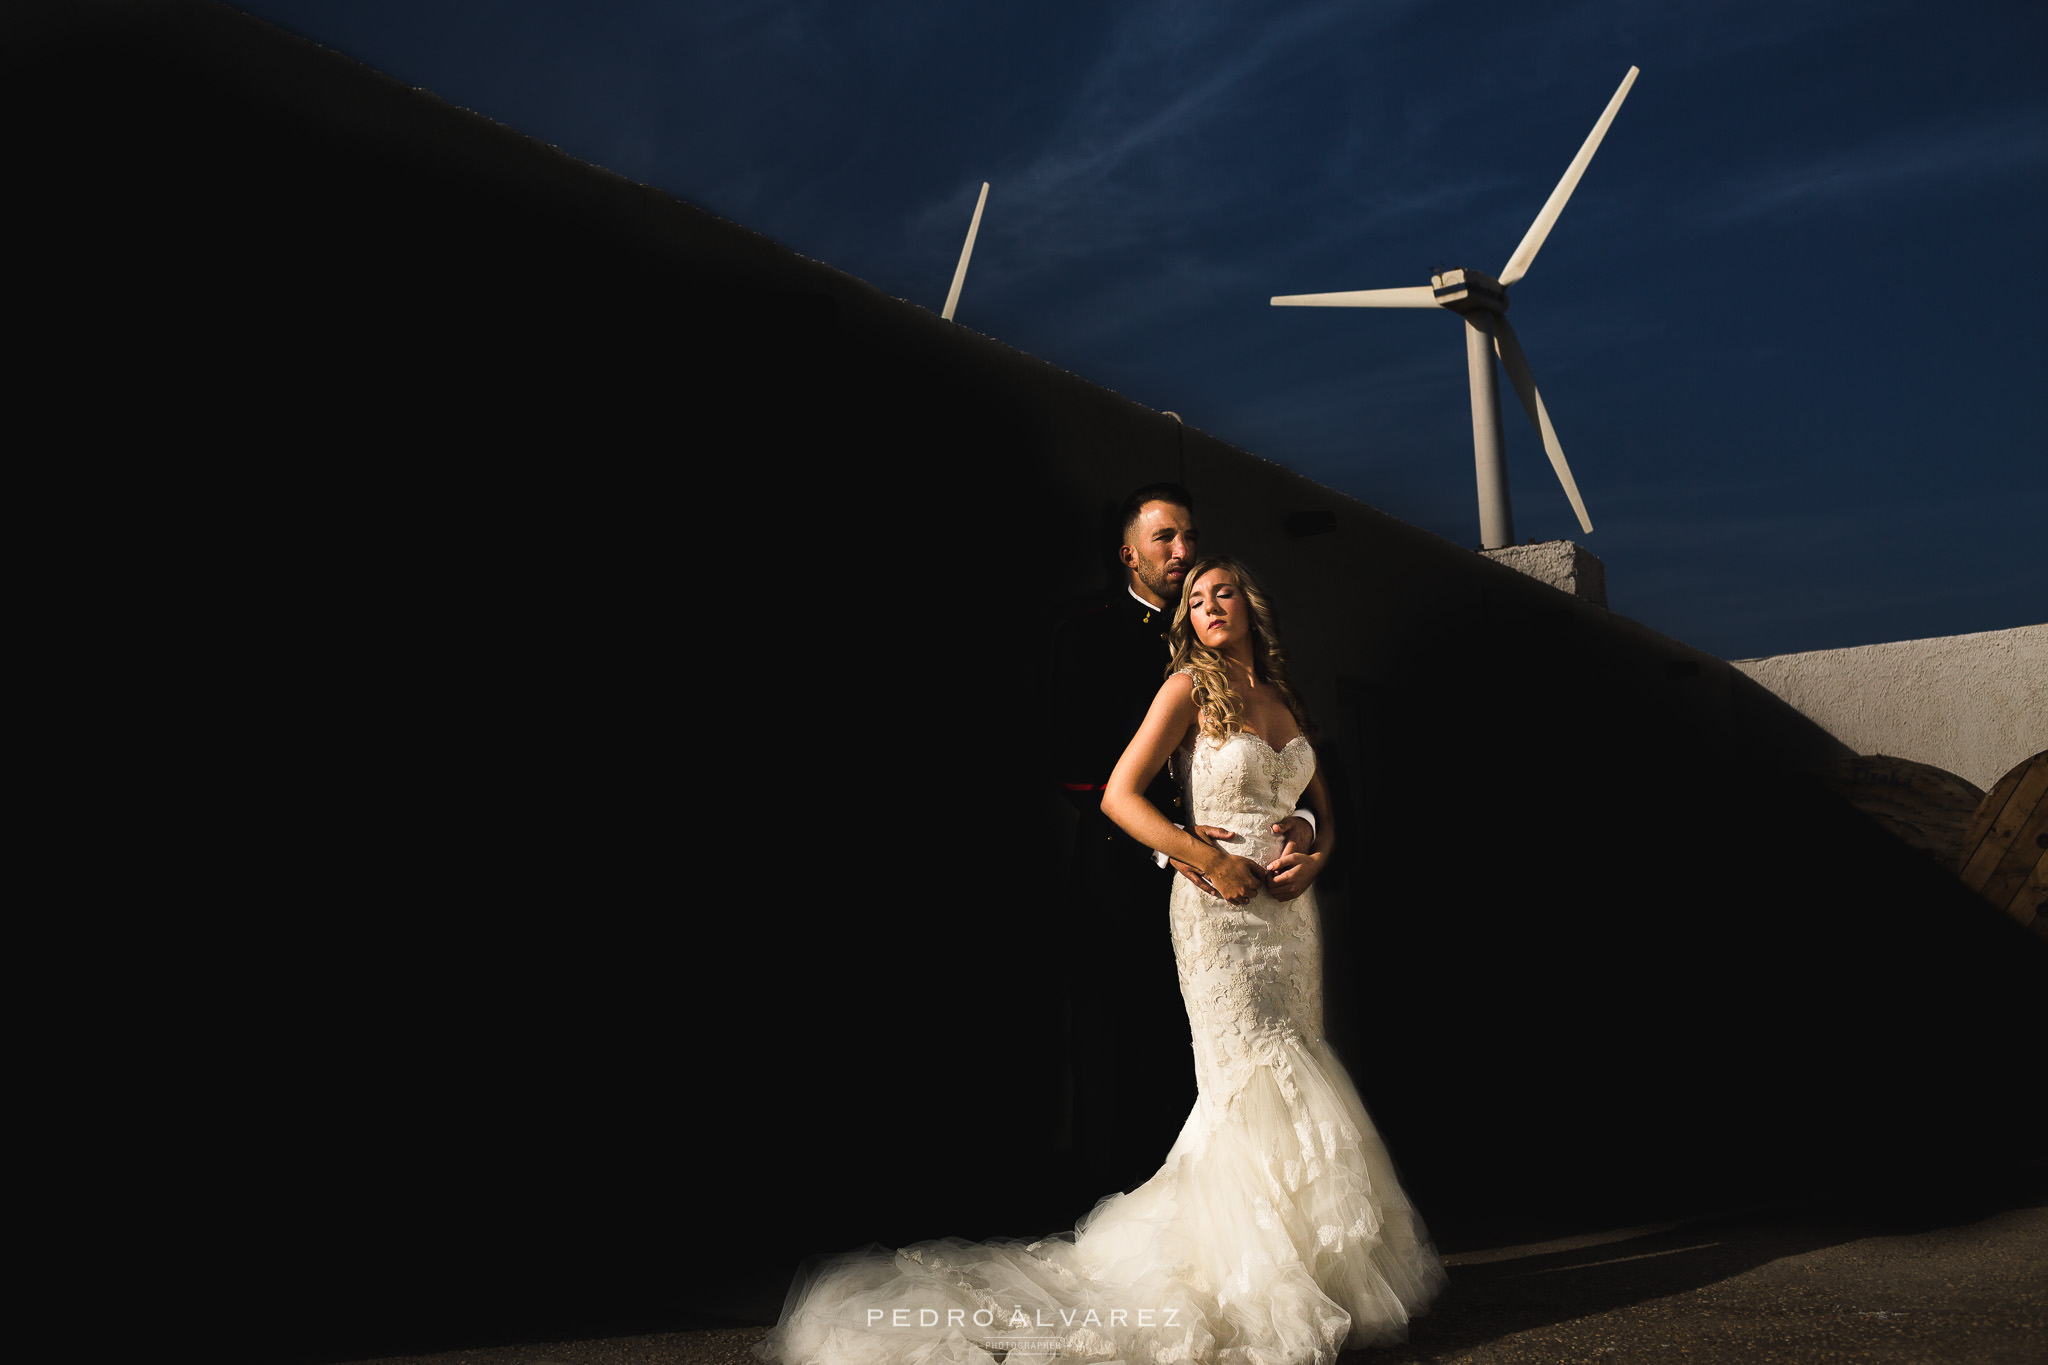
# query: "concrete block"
{"type": "Point", "coordinates": [1560, 563]}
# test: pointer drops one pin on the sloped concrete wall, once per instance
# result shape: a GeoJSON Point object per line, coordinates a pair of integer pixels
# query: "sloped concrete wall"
{"type": "Point", "coordinates": [596, 656]}
{"type": "Point", "coordinates": [1975, 705]}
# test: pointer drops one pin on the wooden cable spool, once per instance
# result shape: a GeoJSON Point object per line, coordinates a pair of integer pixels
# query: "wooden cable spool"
{"type": "Point", "coordinates": [1918, 804]}
{"type": "Point", "coordinates": [2004, 853]}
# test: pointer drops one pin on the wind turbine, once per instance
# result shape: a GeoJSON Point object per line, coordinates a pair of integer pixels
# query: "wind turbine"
{"type": "Point", "coordinates": [960, 270]}
{"type": "Point", "coordinates": [1482, 300]}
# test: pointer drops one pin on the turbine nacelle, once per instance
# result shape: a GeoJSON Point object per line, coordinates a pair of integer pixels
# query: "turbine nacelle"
{"type": "Point", "coordinates": [1469, 291]}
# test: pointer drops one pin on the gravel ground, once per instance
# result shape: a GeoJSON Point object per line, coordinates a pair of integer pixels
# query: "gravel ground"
{"type": "Point", "coordinates": [1805, 1285]}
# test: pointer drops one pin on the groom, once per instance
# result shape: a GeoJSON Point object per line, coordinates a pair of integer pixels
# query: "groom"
{"type": "Point", "coordinates": [1133, 1069]}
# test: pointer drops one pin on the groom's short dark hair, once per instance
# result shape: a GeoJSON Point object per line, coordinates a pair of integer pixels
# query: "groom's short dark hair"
{"type": "Point", "coordinates": [1127, 515]}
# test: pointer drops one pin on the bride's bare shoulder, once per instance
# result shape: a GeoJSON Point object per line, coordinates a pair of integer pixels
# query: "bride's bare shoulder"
{"type": "Point", "coordinates": [1175, 697]}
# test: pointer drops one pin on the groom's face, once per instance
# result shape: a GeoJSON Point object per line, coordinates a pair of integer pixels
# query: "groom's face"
{"type": "Point", "coordinates": [1159, 549]}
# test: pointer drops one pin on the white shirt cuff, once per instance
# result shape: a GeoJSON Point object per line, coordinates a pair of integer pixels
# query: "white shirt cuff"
{"type": "Point", "coordinates": [1158, 858]}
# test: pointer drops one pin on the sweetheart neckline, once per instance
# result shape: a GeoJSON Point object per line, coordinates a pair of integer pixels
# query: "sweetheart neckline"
{"type": "Point", "coordinates": [1253, 734]}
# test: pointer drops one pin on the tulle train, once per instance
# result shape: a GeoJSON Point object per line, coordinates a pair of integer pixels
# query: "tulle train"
{"type": "Point", "coordinates": [1274, 1234]}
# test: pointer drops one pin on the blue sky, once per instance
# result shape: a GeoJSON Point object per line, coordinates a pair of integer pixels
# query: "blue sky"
{"type": "Point", "coordinates": [1790, 328]}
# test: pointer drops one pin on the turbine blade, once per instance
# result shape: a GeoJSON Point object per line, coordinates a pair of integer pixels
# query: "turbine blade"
{"type": "Point", "coordinates": [1509, 347]}
{"type": "Point", "coordinates": [1420, 296]}
{"type": "Point", "coordinates": [960, 270]}
{"type": "Point", "coordinates": [1525, 254]}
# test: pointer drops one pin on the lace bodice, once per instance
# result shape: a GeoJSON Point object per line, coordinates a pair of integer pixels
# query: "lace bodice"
{"type": "Point", "coordinates": [1246, 785]}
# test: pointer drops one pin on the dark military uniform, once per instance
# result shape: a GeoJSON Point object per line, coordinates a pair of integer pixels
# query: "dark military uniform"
{"type": "Point", "coordinates": [1132, 1059]}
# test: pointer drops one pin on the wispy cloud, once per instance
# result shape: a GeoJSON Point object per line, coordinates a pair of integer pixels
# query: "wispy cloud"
{"type": "Point", "coordinates": [2000, 145]}
{"type": "Point", "coordinates": [1118, 169]}
{"type": "Point", "coordinates": [1135, 102]}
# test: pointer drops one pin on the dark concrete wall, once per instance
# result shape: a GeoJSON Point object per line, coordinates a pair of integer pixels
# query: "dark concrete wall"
{"type": "Point", "coordinates": [567, 693]}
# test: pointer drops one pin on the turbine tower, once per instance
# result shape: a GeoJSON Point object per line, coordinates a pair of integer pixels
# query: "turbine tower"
{"type": "Point", "coordinates": [960, 270]}
{"type": "Point", "coordinates": [1482, 300]}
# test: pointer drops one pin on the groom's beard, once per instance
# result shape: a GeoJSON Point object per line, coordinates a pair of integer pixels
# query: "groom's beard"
{"type": "Point", "coordinates": [1164, 588]}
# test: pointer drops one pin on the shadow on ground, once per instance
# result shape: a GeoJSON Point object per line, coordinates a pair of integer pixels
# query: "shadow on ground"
{"type": "Point", "coordinates": [1491, 1299]}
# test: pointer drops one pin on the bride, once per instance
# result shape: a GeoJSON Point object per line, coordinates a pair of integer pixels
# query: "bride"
{"type": "Point", "coordinates": [1276, 1232]}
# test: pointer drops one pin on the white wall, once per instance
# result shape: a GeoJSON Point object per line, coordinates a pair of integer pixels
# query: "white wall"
{"type": "Point", "coordinates": [1973, 704]}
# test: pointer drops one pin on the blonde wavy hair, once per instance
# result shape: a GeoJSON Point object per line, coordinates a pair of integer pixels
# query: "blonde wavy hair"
{"type": "Point", "coordinates": [1221, 709]}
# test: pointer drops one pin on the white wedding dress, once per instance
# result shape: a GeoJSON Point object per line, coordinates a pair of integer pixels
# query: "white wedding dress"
{"type": "Point", "coordinates": [1274, 1234]}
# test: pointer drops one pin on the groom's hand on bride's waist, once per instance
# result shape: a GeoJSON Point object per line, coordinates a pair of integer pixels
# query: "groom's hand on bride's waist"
{"type": "Point", "coordinates": [1208, 834]}
{"type": "Point", "coordinates": [1296, 835]}
{"type": "Point", "coordinates": [1296, 866]}
{"type": "Point", "coordinates": [1292, 873]}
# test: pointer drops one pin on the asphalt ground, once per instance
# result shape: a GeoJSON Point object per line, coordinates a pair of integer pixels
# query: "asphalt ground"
{"type": "Point", "coordinates": [1955, 1277]}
